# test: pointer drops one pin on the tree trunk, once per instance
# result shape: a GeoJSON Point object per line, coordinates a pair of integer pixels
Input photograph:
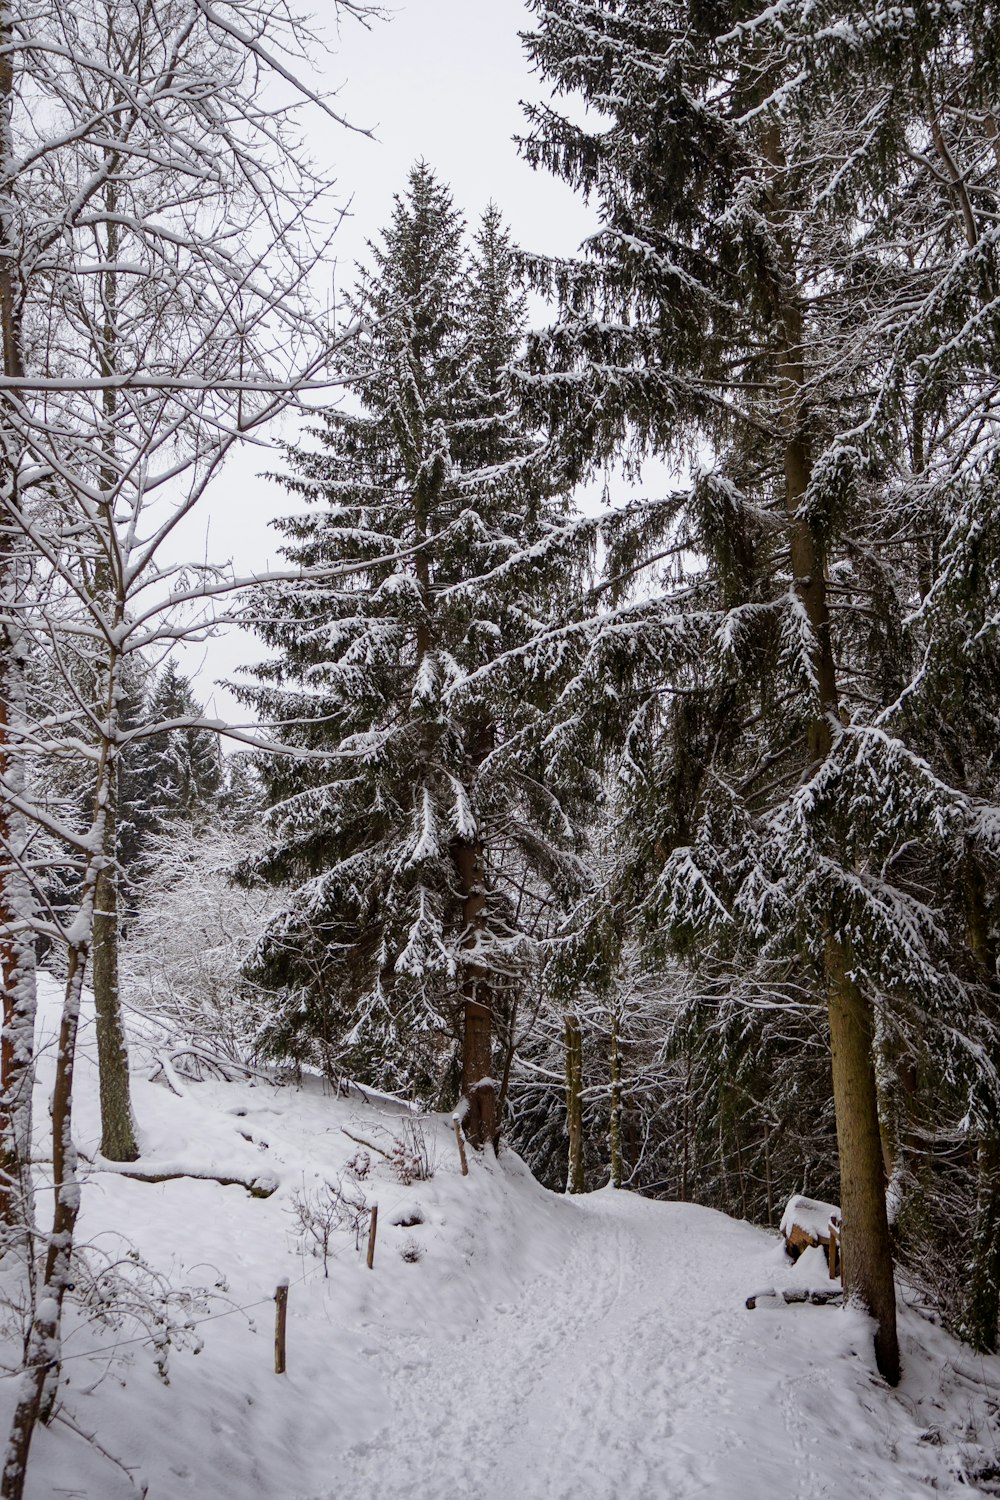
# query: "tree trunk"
{"type": "Point", "coordinates": [43, 1359]}
{"type": "Point", "coordinates": [982, 1306]}
{"type": "Point", "coordinates": [615, 1125]}
{"type": "Point", "coordinates": [867, 1248]}
{"type": "Point", "coordinates": [896, 1081]}
{"type": "Point", "coordinates": [574, 1102]}
{"type": "Point", "coordinates": [866, 1256]}
{"type": "Point", "coordinates": [118, 1141]}
{"type": "Point", "coordinates": [40, 1376]}
{"type": "Point", "coordinates": [17, 952]}
{"type": "Point", "coordinates": [686, 1131]}
{"type": "Point", "coordinates": [17, 967]}
{"type": "Point", "coordinates": [479, 1087]}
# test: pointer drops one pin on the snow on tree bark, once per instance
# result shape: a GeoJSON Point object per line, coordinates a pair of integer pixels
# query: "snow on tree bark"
{"type": "Point", "coordinates": [170, 319]}
{"type": "Point", "coordinates": [17, 955]}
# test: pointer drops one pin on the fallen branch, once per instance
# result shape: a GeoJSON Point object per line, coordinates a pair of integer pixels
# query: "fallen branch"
{"type": "Point", "coordinates": [165, 1065]}
{"type": "Point", "coordinates": [258, 1187]}
{"type": "Point", "coordinates": [819, 1297]}
{"type": "Point", "coordinates": [360, 1141]}
{"type": "Point", "coordinates": [140, 1487]}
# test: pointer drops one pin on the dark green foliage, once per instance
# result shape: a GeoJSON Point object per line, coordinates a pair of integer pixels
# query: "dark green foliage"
{"type": "Point", "coordinates": [167, 777]}
{"type": "Point", "coordinates": [407, 668]}
{"type": "Point", "coordinates": [183, 763]}
{"type": "Point", "coordinates": [792, 294]}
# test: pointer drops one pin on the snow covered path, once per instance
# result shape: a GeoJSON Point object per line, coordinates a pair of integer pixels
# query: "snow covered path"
{"type": "Point", "coordinates": [631, 1368]}
{"type": "Point", "coordinates": [510, 1343]}
{"type": "Point", "coordinates": [604, 1375]}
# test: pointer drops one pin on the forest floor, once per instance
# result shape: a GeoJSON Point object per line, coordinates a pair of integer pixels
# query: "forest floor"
{"type": "Point", "coordinates": [513, 1343]}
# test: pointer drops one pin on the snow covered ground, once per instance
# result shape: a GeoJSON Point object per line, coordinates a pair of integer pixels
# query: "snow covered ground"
{"type": "Point", "coordinates": [513, 1343]}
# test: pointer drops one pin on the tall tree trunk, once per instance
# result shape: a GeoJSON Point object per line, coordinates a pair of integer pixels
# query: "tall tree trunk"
{"type": "Point", "coordinates": [40, 1376]}
{"type": "Point", "coordinates": [615, 1124]}
{"type": "Point", "coordinates": [17, 969]}
{"type": "Point", "coordinates": [573, 1033]}
{"type": "Point", "coordinates": [479, 1087]}
{"type": "Point", "coordinates": [118, 1142]}
{"type": "Point", "coordinates": [896, 1080]}
{"type": "Point", "coordinates": [686, 1131]}
{"type": "Point", "coordinates": [867, 1248]}
{"type": "Point", "coordinates": [39, 1381]}
{"type": "Point", "coordinates": [17, 952]}
{"type": "Point", "coordinates": [982, 1304]}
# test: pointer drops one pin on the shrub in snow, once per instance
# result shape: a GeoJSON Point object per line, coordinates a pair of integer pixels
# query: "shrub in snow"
{"type": "Point", "coordinates": [190, 936]}
{"type": "Point", "coordinates": [321, 1215]}
{"type": "Point", "coordinates": [114, 1287]}
{"type": "Point", "coordinates": [411, 1156]}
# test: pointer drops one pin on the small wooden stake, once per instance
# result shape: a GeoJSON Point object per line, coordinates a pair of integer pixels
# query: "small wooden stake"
{"type": "Point", "coordinates": [280, 1315]}
{"type": "Point", "coordinates": [371, 1236]}
{"type": "Point", "coordinates": [833, 1252]}
{"type": "Point", "coordinates": [461, 1149]}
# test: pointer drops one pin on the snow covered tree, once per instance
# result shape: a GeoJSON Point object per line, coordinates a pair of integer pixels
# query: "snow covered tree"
{"type": "Point", "coordinates": [153, 207]}
{"type": "Point", "coordinates": [185, 946]}
{"type": "Point", "coordinates": [432, 831]}
{"type": "Point", "coordinates": [170, 775]}
{"type": "Point", "coordinates": [165, 777]}
{"type": "Point", "coordinates": [186, 761]}
{"type": "Point", "coordinates": [136, 816]}
{"type": "Point", "coordinates": [742, 307]}
{"type": "Point", "coordinates": [938, 233]}
{"type": "Point", "coordinates": [17, 954]}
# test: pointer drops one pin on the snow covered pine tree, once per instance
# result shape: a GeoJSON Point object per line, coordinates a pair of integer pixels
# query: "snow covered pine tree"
{"type": "Point", "coordinates": [429, 837]}
{"type": "Point", "coordinates": [787, 833]}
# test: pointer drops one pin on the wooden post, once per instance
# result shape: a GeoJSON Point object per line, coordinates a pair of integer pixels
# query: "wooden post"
{"type": "Point", "coordinates": [280, 1315]}
{"type": "Point", "coordinates": [833, 1252]}
{"type": "Point", "coordinates": [371, 1236]}
{"type": "Point", "coordinates": [461, 1149]}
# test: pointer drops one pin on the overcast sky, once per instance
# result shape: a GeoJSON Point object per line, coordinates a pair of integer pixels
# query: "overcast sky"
{"type": "Point", "coordinates": [442, 80]}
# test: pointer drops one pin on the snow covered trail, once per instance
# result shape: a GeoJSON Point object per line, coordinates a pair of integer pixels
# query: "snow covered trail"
{"type": "Point", "coordinates": [630, 1367]}
{"type": "Point", "coordinates": [510, 1343]}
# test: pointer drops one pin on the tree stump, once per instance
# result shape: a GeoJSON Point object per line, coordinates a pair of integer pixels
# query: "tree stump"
{"type": "Point", "coordinates": [806, 1223]}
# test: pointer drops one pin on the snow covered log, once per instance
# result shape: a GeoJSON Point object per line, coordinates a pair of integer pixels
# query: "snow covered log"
{"type": "Point", "coordinates": [257, 1184]}
{"type": "Point", "coordinates": [792, 1296]}
{"type": "Point", "coordinates": [807, 1222]}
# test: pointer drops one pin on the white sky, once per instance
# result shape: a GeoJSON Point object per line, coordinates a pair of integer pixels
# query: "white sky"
{"type": "Point", "coordinates": [442, 80]}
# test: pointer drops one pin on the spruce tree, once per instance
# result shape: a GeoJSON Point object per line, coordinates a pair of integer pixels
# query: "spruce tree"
{"type": "Point", "coordinates": [744, 307]}
{"type": "Point", "coordinates": [184, 763]}
{"type": "Point", "coordinates": [432, 831]}
{"type": "Point", "coordinates": [166, 777]}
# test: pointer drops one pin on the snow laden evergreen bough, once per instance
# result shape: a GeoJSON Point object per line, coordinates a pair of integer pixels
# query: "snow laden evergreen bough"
{"type": "Point", "coordinates": [433, 842]}
{"type": "Point", "coordinates": [791, 288]}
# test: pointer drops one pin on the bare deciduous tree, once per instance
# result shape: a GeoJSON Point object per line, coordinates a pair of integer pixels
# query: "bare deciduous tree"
{"type": "Point", "coordinates": [158, 226]}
